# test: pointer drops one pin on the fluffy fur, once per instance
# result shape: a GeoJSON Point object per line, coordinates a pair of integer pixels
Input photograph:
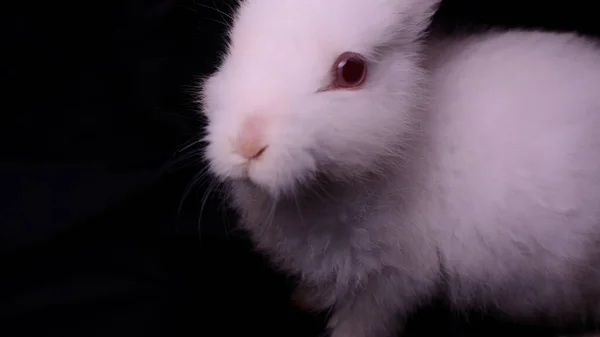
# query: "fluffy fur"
{"type": "Point", "coordinates": [466, 166]}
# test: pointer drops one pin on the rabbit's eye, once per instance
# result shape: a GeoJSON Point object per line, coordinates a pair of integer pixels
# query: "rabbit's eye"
{"type": "Point", "coordinates": [349, 70]}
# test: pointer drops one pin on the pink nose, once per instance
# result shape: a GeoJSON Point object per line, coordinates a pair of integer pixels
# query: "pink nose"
{"type": "Point", "coordinates": [250, 142]}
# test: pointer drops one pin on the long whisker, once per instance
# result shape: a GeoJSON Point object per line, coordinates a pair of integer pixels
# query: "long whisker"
{"type": "Point", "coordinates": [223, 14]}
{"type": "Point", "coordinates": [298, 208]}
{"type": "Point", "coordinates": [320, 191]}
{"type": "Point", "coordinates": [224, 23]}
{"type": "Point", "coordinates": [212, 187]}
{"type": "Point", "coordinates": [216, 9]}
{"type": "Point", "coordinates": [226, 18]}
{"type": "Point", "coordinates": [272, 207]}
{"type": "Point", "coordinates": [196, 182]}
{"type": "Point", "coordinates": [229, 6]}
{"type": "Point", "coordinates": [192, 143]}
{"type": "Point", "coordinates": [225, 220]}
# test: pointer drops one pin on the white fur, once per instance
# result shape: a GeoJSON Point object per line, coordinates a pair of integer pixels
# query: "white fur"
{"type": "Point", "coordinates": [466, 166]}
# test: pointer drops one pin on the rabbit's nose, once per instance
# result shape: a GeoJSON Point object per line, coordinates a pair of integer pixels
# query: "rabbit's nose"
{"type": "Point", "coordinates": [251, 142]}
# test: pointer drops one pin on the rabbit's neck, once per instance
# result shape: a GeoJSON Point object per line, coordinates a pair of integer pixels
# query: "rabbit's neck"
{"type": "Point", "coordinates": [340, 232]}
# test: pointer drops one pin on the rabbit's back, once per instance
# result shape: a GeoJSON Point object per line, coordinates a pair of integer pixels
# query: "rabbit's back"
{"type": "Point", "coordinates": [513, 170]}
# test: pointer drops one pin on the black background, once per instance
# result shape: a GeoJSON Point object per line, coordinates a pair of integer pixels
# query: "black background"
{"type": "Point", "coordinates": [95, 105]}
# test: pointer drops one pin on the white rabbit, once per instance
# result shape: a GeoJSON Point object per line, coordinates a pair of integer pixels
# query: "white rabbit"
{"type": "Point", "coordinates": [387, 168]}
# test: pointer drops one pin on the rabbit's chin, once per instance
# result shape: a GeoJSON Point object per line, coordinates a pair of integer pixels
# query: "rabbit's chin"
{"type": "Point", "coordinates": [257, 191]}
{"type": "Point", "coordinates": [301, 184]}
{"type": "Point", "coordinates": [311, 185]}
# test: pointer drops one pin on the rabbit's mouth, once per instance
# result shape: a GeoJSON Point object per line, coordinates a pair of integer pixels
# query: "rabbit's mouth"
{"type": "Point", "coordinates": [297, 187]}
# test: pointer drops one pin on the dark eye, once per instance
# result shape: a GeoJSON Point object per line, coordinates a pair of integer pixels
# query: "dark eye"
{"type": "Point", "coordinates": [349, 70]}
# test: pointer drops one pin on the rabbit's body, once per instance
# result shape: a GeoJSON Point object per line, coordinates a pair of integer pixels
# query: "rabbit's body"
{"type": "Point", "coordinates": [512, 167]}
{"type": "Point", "coordinates": [485, 188]}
